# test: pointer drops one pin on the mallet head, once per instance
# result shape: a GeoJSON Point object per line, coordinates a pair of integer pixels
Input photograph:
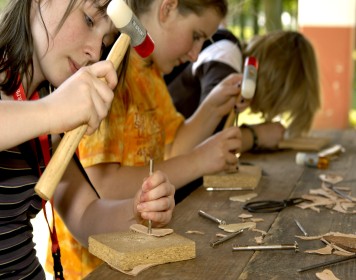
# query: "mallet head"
{"type": "Point", "coordinates": [126, 21]}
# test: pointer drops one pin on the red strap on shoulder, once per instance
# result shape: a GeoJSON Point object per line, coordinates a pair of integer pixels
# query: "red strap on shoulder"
{"type": "Point", "coordinates": [19, 95]}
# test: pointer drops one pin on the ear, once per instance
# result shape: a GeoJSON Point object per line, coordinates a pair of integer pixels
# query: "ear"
{"type": "Point", "coordinates": [166, 9]}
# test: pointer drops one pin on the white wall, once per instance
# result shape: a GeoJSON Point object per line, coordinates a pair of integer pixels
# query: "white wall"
{"type": "Point", "coordinates": [327, 12]}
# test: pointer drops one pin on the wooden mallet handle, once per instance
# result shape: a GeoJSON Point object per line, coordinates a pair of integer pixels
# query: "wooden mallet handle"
{"type": "Point", "coordinates": [230, 119]}
{"type": "Point", "coordinates": [54, 171]}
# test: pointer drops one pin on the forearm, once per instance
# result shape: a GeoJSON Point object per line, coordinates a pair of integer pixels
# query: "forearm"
{"type": "Point", "coordinates": [247, 139]}
{"type": "Point", "coordinates": [103, 216]}
{"type": "Point", "coordinates": [114, 181]}
{"type": "Point", "coordinates": [262, 136]}
{"type": "Point", "coordinates": [194, 130]}
{"type": "Point", "coordinates": [182, 169]}
{"type": "Point", "coordinates": [84, 213]}
{"type": "Point", "coordinates": [21, 121]}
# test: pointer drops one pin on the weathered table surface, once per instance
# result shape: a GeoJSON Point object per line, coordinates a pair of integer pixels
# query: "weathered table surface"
{"type": "Point", "coordinates": [281, 179]}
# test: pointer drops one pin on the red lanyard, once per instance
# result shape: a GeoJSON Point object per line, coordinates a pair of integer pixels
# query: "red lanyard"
{"type": "Point", "coordinates": [20, 95]}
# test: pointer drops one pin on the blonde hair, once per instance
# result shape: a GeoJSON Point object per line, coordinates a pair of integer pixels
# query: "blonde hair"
{"type": "Point", "coordinates": [288, 79]}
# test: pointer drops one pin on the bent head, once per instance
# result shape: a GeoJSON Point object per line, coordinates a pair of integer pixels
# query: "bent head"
{"type": "Point", "coordinates": [178, 28]}
{"type": "Point", "coordinates": [69, 34]}
{"type": "Point", "coordinates": [288, 79]}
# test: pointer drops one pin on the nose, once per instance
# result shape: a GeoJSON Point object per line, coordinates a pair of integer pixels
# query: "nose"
{"type": "Point", "coordinates": [194, 51]}
{"type": "Point", "coordinates": [93, 48]}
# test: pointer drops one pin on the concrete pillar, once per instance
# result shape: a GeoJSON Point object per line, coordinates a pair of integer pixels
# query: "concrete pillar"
{"type": "Point", "coordinates": [330, 26]}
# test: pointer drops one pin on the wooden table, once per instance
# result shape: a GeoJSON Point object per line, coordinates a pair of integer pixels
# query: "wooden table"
{"type": "Point", "coordinates": [281, 179]}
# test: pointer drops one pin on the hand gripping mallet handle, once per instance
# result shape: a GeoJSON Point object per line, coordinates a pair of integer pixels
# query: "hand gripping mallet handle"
{"type": "Point", "coordinates": [248, 86]}
{"type": "Point", "coordinates": [58, 164]}
{"type": "Point", "coordinates": [54, 171]}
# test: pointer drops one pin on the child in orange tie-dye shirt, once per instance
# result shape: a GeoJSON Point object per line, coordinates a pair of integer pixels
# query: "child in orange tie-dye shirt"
{"type": "Point", "coordinates": [143, 122]}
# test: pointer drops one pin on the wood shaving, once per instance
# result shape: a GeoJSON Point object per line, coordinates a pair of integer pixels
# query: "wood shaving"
{"type": "Point", "coordinates": [347, 242]}
{"type": "Point", "coordinates": [259, 239]}
{"type": "Point", "coordinates": [337, 243]}
{"type": "Point", "coordinates": [344, 206]}
{"type": "Point", "coordinates": [325, 197]}
{"type": "Point", "coordinates": [195, 232]}
{"type": "Point", "coordinates": [257, 220]}
{"type": "Point", "coordinates": [245, 216]}
{"type": "Point", "coordinates": [315, 237]}
{"type": "Point", "coordinates": [158, 232]}
{"type": "Point", "coordinates": [331, 178]}
{"type": "Point", "coordinates": [342, 253]}
{"type": "Point", "coordinates": [332, 233]}
{"type": "Point", "coordinates": [250, 217]}
{"type": "Point", "coordinates": [237, 227]}
{"type": "Point", "coordinates": [243, 198]}
{"type": "Point", "coordinates": [327, 250]}
{"type": "Point", "coordinates": [326, 274]}
{"type": "Point", "coordinates": [264, 233]}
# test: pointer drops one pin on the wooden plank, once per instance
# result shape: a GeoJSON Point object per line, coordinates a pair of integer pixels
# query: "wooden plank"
{"type": "Point", "coordinates": [127, 250]}
{"type": "Point", "coordinates": [247, 177]}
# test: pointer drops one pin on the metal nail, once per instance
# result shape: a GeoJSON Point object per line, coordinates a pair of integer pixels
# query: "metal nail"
{"type": "Point", "coordinates": [294, 246]}
{"type": "Point", "coordinates": [149, 228]}
{"type": "Point", "coordinates": [326, 263]}
{"type": "Point", "coordinates": [209, 189]}
{"type": "Point", "coordinates": [212, 218]}
{"type": "Point", "coordinates": [301, 228]}
{"type": "Point", "coordinates": [340, 193]}
{"type": "Point", "coordinates": [222, 240]}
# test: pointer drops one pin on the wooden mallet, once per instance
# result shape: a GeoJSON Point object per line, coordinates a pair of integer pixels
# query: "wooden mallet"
{"type": "Point", "coordinates": [132, 32]}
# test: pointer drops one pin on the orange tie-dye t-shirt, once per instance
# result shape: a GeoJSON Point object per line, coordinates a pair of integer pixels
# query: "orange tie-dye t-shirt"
{"type": "Point", "coordinates": [141, 122]}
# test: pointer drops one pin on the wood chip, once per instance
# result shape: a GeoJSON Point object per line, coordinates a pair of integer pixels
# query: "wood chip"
{"type": "Point", "coordinates": [264, 233]}
{"type": "Point", "coordinates": [158, 232]}
{"type": "Point", "coordinates": [326, 274]}
{"type": "Point", "coordinates": [325, 197]}
{"type": "Point", "coordinates": [195, 232]}
{"type": "Point", "coordinates": [259, 239]}
{"type": "Point", "coordinates": [245, 216]}
{"type": "Point", "coordinates": [342, 253]}
{"type": "Point", "coordinates": [345, 242]}
{"type": "Point", "coordinates": [257, 220]}
{"type": "Point", "coordinates": [337, 243]}
{"type": "Point", "coordinates": [243, 198]}
{"type": "Point", "coordinates": [331, 178]}
{"type": "Point", "coordinates": [327, 250]}
{"type": "Point", "coordinates": [237, 227]}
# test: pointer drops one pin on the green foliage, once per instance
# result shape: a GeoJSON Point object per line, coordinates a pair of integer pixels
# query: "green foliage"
{"type": "Point", "coordinates": [3, 3]}
{"type": "Point", "coordinates": [253, 14]}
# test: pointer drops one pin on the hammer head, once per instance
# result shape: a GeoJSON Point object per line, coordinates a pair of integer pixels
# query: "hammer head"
{"type": "Point", "coordinates": [126, 21]}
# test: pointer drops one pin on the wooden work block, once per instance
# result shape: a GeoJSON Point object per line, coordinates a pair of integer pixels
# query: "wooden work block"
{"type": "Point", "coordinates": [248, 176]}
{"type": "Point", "coordinates": [304, 143]}
{"type": "Point", "coordinates": [127, 250]}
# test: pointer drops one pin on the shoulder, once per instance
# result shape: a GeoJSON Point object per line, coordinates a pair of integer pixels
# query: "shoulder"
{"type": "Point", "coordinates": [224, 51]}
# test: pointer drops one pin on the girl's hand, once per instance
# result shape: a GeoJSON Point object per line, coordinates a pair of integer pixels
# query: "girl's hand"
{"type": "Point", "coordinates": [269, 134]}
{"type": "Point", "coordinates": [155, 200]}
{"type": "Point", "coordinates": [223, 97]}
{"type": "Point", "coordinates": [218, 153]}
{"type": "Point", "coordinates": [84, 98]}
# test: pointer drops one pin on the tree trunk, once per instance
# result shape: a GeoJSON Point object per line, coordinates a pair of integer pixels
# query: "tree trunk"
{"type": "Point", "coordinates": [273, 11]}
